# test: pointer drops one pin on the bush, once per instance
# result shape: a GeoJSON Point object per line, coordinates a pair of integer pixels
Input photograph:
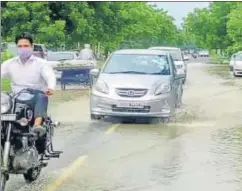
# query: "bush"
{"type": "Point", "coordinates": [5, 55]}
{"type": "Point", "coordinates": [218, 59]}
{"type": "Point", "coordinates": [6, 82]}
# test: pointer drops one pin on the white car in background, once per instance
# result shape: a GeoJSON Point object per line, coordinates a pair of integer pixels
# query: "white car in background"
{"type": "Point", "coordinates": [179, 60]}
{"type": "Point", "coordinates": [55, 58]}
{"type": "Point", "coordinates": [203, 53]}
{"type": "Point", "coordinates": [236, 64]}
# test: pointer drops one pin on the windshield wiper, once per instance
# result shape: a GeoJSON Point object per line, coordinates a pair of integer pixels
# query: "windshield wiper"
{"type": "Point", "coordinates": [63, 59]}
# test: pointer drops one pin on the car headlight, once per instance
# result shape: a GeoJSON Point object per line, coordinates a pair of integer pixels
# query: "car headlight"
{"type": "Point", "coordinates": [101, 86]}
{"type": "Point", "coordinates": [162, 89]}
{"type": "Point", "coordinates": [5, 103]}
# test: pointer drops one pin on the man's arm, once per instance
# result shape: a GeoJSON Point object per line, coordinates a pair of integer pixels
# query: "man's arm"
{"type": "Point", "coordinates": [4, 70]}
{"type": "Point", "coordinates": [49, 76]}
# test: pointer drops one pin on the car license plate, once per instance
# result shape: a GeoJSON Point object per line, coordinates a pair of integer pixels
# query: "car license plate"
{"type": "Point", "coordinates": [8, 117]}
{"type": "Point", "coordinates": [130, 105]}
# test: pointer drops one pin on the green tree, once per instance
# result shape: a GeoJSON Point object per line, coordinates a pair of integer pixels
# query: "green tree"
{"type": "Point", "coordinates": [112, 24]}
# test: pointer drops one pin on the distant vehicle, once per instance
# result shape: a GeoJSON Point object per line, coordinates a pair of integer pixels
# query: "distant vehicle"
{"type": "Point", "coordinates": [136, 83]}
{"type": "Point", "coordinates": [236, 64]}
{"type": "Point", "coordinates": [186, 57]}
{"type": "Point", "coordinates": [55, 58]}
{"type": "Point", "coordinates": [177, 56]}
{"type": "Point", "coordinates": [9, 47]}
{"type": "Point", "coordinates": [69, 68]}
{"type": "Point", "coordinates": [203, 53]}
{"type": "Point", "coordinates": [40, 51]}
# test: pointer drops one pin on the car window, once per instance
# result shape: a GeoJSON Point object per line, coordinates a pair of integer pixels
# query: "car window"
{"type": "Point", "coordinates": [137, 63]}
{"type": "Point", "coordinates": [44, 48]}
{"type": "Point", "coordinates": [60, 56]}
{"type": "Point", "coordinates": [175, 53]}
{"type": "Point", "coordinates": [238, 57]}
{"type": "Point", "coordinates": [37, 48]}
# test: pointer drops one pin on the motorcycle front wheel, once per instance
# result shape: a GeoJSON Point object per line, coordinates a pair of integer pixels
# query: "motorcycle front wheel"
{"type": "Point", "coordinates": [32, 174]}
{"type": "Point", "coordinates": [4, 176]}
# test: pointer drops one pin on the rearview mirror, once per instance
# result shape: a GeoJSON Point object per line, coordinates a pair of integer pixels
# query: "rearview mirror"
{"type": "Point", "coordinates": [94, 72]}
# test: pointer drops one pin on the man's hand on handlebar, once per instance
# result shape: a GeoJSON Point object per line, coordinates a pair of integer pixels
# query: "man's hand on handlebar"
{"type": "Point", "coordinates": [49, 92]}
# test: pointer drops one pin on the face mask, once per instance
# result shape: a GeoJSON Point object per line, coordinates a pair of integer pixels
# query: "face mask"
{"type": "Point", "coordinates": [25, 52]}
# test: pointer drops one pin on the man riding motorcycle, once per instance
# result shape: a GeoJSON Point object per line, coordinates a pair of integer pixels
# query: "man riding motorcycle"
{"type": "Point", "coordinates": [29, 71]}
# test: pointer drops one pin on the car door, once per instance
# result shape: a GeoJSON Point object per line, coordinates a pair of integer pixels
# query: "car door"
{"type": "Point", "coordinates": [174, 82]}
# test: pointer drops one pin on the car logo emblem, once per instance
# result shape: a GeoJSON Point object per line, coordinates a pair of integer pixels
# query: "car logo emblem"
{"type": "Point", "coordinates": [131, 93]}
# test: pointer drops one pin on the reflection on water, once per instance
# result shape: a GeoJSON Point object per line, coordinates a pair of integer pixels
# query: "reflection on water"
{"type": "Point", "coordinates": [67, 95]}
{"type": "Point", "coordinates": [227, 151]}
{"type": "Point", "coordinates": [171, 167]}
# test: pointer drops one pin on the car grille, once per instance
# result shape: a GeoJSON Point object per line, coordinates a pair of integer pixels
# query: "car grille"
{"type": "Point", "coordinates": [125, 92]}
{"type": "Point", "coordinates": [146, 109]}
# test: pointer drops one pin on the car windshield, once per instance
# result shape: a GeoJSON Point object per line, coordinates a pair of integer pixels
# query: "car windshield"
{"type": "Point", "coordinates": [138, 64]}
{"type": "Point", "coordinates": [238, 57]}
{"type": "Point", "coordinates": [60, 56]}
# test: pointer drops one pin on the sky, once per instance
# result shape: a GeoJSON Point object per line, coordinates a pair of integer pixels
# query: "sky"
{"type": "Point", "coordinates": [178, 10]}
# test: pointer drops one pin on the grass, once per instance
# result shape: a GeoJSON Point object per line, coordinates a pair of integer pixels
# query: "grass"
{"type": "Point", "coordinates": [5, 85]}
{"type": "Point", "coordinates": [218, 59]}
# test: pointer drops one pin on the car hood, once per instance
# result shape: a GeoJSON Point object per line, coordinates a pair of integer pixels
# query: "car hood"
{"type": "Point", "coordinates": [133, 80]}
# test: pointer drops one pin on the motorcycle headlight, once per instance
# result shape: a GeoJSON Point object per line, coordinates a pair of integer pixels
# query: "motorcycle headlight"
{"type": "Point", "coordinates": [5, 103]}
{"type": "Point", "coordinates": [162, 89]}
{"type": "Point", "coordinates": [101, 86]}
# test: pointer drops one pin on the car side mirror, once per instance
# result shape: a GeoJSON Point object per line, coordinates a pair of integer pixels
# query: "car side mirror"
{"type": "Point", "coordinates": [177, 76]}
{"type": "Point", "coordinates": [94, 72]}
{"type": "Point", "coordinates": [185, 59]}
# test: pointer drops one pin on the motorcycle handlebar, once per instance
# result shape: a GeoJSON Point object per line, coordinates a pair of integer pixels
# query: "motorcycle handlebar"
{"type": "Point", "coordinates": [28, 90]}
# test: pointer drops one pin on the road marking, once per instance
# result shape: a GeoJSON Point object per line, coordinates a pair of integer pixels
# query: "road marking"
{"type": "Point", "coordinates": [67, 173]}
{"type": "Point", "coordinates": [112, 128]}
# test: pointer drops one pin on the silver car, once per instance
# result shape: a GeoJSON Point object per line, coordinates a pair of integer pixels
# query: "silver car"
{"type": "Point", "coordinates": [136, 83]}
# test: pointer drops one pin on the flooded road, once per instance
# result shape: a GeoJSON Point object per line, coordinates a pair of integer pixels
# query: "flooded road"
{"type": "Point", "coordinates": [201, 149]}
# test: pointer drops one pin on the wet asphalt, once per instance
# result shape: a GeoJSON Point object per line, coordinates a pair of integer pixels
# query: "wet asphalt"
{"type": "Point", "coordinates": [200, 149]}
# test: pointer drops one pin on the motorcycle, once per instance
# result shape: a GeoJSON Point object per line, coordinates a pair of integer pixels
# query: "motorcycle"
{"type": "Point", "coordinates": [23, 152]}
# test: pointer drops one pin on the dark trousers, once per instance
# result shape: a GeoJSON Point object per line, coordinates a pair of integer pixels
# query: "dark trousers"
{"type": "Point", "coordinates": [40, 105]}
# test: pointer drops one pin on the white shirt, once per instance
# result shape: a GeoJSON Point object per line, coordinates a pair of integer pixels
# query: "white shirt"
{"type": "Point", "coordinates": [86, 54]}
{"type": "Point", "coordinates": [34, 74]}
